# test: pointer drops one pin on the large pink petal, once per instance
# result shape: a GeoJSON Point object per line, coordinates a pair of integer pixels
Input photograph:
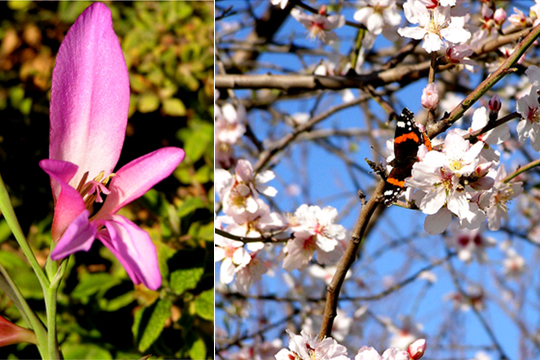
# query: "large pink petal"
{"type": "Point", "coordinates": [133, 248]}
{"type": "Point", "coordinates": [137, 177]}
{"type": "Point", "coordinates": [68, 202]}
{"type": "Point", "coordinates": [79, 236]}
{"type": "Point", "coordinates": [89, 96]}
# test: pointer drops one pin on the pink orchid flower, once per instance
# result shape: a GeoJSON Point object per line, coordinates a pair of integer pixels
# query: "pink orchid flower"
{"type": "Point", "coordinates": [88, 118]}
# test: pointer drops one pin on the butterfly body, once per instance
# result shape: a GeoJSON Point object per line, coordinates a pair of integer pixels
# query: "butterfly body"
{"type": "Point", "coordinates": [407, 140]}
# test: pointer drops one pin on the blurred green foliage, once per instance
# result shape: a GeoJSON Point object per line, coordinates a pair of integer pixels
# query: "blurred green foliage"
{"type": "Point", "coordinates": [168, 48]}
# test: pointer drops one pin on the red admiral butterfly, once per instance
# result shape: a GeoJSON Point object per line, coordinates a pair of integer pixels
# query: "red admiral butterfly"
{"type": "Point", "coordinates": [406, 142]}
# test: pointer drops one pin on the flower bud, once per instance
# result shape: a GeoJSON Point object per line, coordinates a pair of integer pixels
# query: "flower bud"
{"type": "Point", "coordinates": [494, 106]}
{"type": "Point", "coordinates": [13, 334]}
{"type": "Point", "coordinates": [499, 17]}
{"type": "Point", "coordinates": [323, 10]}
{"type": "Point", "coordinates": [495, 103]}
{"type": "Point", "coordinates": [482, 169]}
{"type": "Point", "coordinates": [430, 96]}
{"type": "Point", "coordinates": [416, 349]}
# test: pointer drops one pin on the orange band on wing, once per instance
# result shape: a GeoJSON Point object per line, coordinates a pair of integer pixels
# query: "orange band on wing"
{"type": "Point", "coordinates": [396, 182]}
{"type": "Point", "coordinates": [427, 142]}
{"type": "Point", "coordinates": [405, 137]}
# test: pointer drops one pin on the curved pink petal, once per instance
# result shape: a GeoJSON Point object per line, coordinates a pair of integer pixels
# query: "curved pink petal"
{"type": "Point", "coordinates": [133, 248]}
{"type": "Point", "coordinates": [137, 177]}
{"type": "Point", "coordinates": [89, 96]}
{"type": "Point", "coordinates": [68, 202]}
{"type": "Point", "coordinates": [13, 334]}
{"type": "Point", "coordinates": [79, 236]}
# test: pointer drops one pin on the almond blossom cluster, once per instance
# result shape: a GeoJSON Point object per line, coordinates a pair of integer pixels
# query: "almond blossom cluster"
{"type": "Point", "coordinates": [229, 128]}
{"type": "Point", "coordinates": [464, 178]}
{"type": "Point", "coordinates": [438, 23]}
{"type": "Point", "coordinates": [461, 180]}
{"type": "Point", "coordinates": [248, 216]}
{"type": "Point", "coordinates": [305, 347]}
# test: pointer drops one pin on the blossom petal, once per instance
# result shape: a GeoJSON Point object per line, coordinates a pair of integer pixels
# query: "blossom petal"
{"type": "Point", "coordinates": [89, 95]}
{"type": "Point", "coordinates": [68, 202]}
{"type": "Point", "coordinates": [416, 33]}
{"type": "Point", "coordinates": [435, 224]}
{"type": "Point", "coordinates": [79, 236]}
{"type": "Point", "coordinates": [133, 248]}
{"type": "Point", "coordinates": [137, 177]}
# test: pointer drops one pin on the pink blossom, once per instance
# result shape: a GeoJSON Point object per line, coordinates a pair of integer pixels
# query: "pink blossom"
{"type": "Point", "coordinates": [305, 347]}
{"type": "Point", "coordinates": [534, 13]}
{"type": "Point", "coordinates": [514, 264]}
{"type": "Point", "coordinates": [470, 244]}
{"type": "Point", "coordinates": [230, 123]}
{"type": "Point", "coordinates": [417, 349]}
{"type": "Point", "coordinates": [495, 136]}
{"type": "Point", "coordinates": [518, 19]}
{"type": "Point", "coordinates": [367, 353]}
{"type": "Point", "coordinates": [529, 126]}
{"type": "Point", "coordinates": [434, 26]}
{"type": "Point", "coordinates": [260, 350]}
{"type": "Point", "coordinates": [314, 230]}
{"type": "Point", "coordinates": [442, 180]}
{"type": "Point", "coordinates": [239, 192]}
{"type": "Point", "coordinates": [499, 198]}
{"type": "Point", "coordinates": [88, 118]}
{"type": "Point", "coordinates": [232, 255]}
{"type": "Point", "coordinates": [474, 297]}
{"type": "Point", "coordinates": [250, 273]}
{"type": "Point", "coordinates": [430, 96]}
{"type": "Point", "coordinates": [405, 334]}
{"type": "Point", "coordinates": [377, 14]}
{"type": "Point", "coordinates": [459, 54]}
{"type": "Point", "coordinates": [320, 26]}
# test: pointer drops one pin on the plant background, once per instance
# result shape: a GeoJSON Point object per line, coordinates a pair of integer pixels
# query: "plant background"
{"type": "Point", "coordinates": [168, 48]}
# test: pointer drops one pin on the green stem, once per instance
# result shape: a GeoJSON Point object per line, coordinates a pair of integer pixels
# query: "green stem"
{"type": "Point", "coordinates": [50, 302]}
{"type": "Point", "coordinates": [52, 342]}
{"type": "Point", "coordinates": [9, 214]}
{"type": "Point", "coordinates": [47, 338]}
{"type": "Point", "coordinates": [12, 291]}
{"type": "Point", "coordinates": [521, 170]}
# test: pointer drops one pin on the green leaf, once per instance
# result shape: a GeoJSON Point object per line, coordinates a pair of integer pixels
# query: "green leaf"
{"type": "Point", "coordinates": [149, 323]}
{"type": "Point", "coordinates": [189, 206]}
{"type": "Point", "coordinates": [93, 283]}
{"type": "Point", "coordinates": [204, 305]}
{"type": "Point", "coordinates": [148, 103]}
{"type": "Point", "coordinates": [85, 351]}
{"type": "Point", "coordinates": [206, 232]}
{"type": "Point", "coordinates": [198, 349]}
{"type": "Point", "coordinates": [182, 173]}
{"type": "Point", "coordinates": [186, 268]}
{"type": "Point", "coordinates": [174, 107]}
{"type": "Point", "coordinates": [204, 174]}
{"type": "Point", "coordinates": [164, 254]}
{"type": "Point", "coordinates": [12, 262]}
{"type": "Point", "coordinates": [18, 5]}
{"type": "Point", "coordinates": [116, 303]}
{"type": "Point", "coordinates": [197, 139]}
{"type": "Point", "coordinates": [185, 279]}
